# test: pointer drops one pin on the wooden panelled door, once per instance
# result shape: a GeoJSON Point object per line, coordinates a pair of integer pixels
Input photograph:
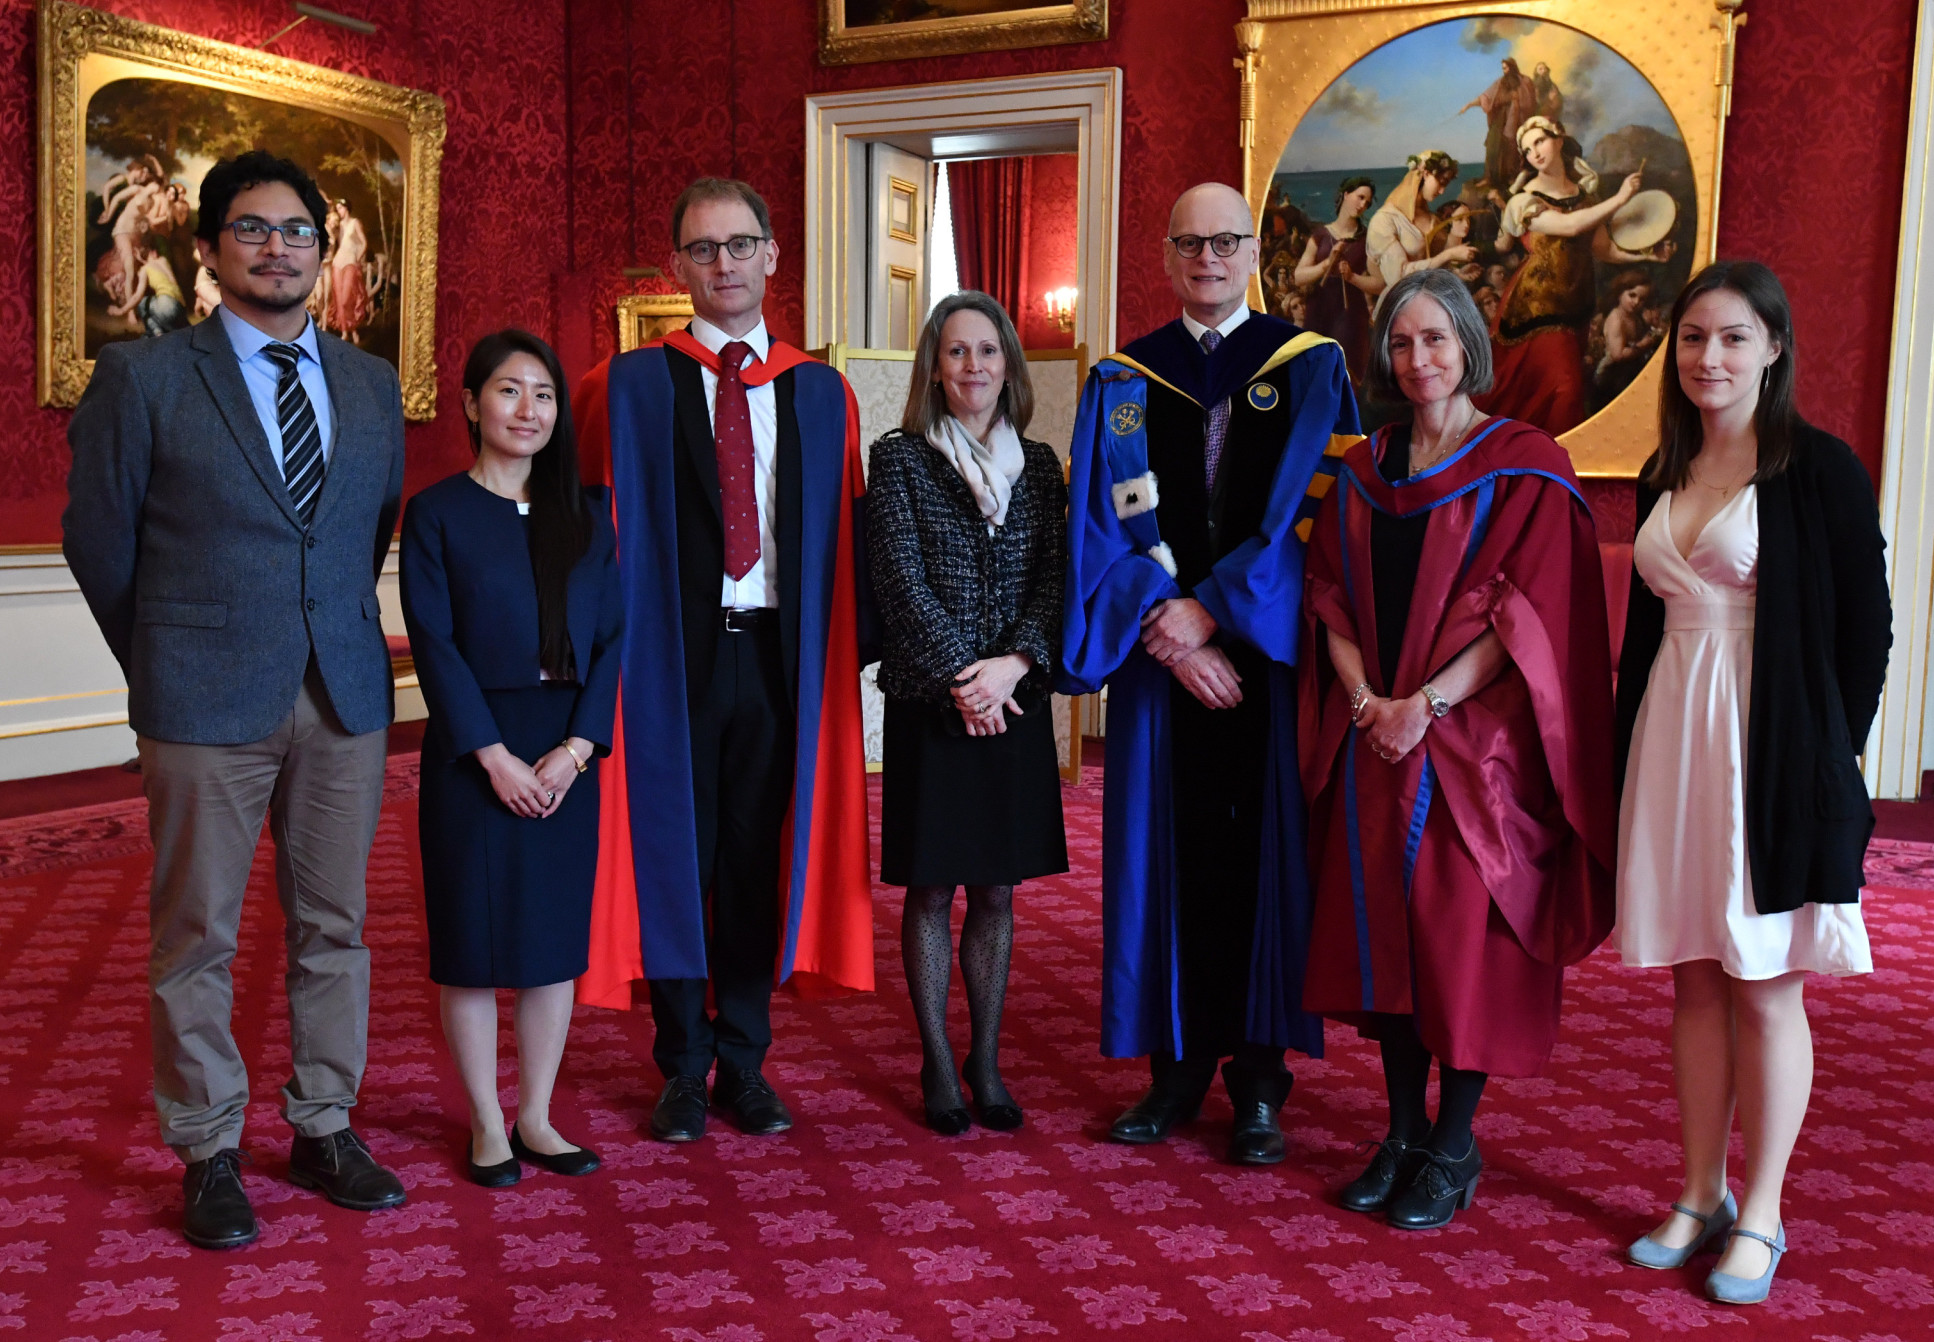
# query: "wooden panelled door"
{"type": "Point", "coordinates": [899, 211]}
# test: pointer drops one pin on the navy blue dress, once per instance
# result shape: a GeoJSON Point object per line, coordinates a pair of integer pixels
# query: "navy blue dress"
{"type": "Point", "coordinates": [508, 898]}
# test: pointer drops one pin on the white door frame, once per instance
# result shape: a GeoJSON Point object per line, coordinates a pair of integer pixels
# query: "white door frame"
{"type": "Point", "coordinates": [838, 125]}
{"type": "Point", "coordinates": [1895, 750]}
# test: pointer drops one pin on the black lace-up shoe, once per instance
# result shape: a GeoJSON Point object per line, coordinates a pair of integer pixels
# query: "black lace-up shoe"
{"type": "Point", "coordinates": [1442, 1187]}
{"type": "Point", "coordinates": [755, 1105]}
{"type": "Point", "coordinates": [216, 1211]}
{"type": "Point", "coordinates": [679, 1115]}
{"type": "Point", "coordinates": [1394, 1166]}
{"type": "Point", "coordinates": [341, 1168]}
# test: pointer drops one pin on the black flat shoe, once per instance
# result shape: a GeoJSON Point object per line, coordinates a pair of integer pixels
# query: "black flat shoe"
{"type": "Point", "coordinates": [1441, 1189]}
{"type": "Point", "coordinates": [1151, 1118]}
{"type": "Point", "coordinates": [679, 1115]}
{"type": "Point", "coordinates": [947, 1122]}
{"type": "Point", "coordinates": [755, 1105]}
{"type": "Point", "coordinates": [997, 1117]}
{"type": "Point", "coordinates": [501, 1175]}
{"type": "Point", "coordinates": [582, 1160]}
{"type": "Point", "coordinates": [216, 1211]}
{"type": "Point", "coordinates": [1394, 1166]}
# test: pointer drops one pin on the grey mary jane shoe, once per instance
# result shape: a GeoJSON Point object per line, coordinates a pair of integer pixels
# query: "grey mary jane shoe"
{"type": "Point", "coordinates": [1730, 1290]}
{"type": "Point", "coordinates": [1713, 1226]}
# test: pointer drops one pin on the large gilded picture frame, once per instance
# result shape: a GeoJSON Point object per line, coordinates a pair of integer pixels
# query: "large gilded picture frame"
{"type": "Point", "coordinates": [1380, 136]}
{"type": "Point", "coordinates": [132, 116]}
{"type": "Point", "coordinates": [853, 32]}
{"type": "Point", "coordinates": [643, 318]}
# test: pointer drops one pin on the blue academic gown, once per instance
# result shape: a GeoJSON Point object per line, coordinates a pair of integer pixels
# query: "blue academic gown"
{"type": "Point", "coordinates": [1279, 379]}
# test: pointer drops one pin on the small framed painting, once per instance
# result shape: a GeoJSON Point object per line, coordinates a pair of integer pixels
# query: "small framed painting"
{"type": "Point", "coordinates": [852, 32]}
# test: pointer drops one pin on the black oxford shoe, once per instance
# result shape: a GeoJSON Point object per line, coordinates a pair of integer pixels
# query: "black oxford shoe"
{"type": "Point", "coordinates": [1258, 1137]}
{"type": "Point", "coordinates": [341, 1168]}
{"type": "Point", "coordinates": [1394, 1166]}
{"type": "Point", "coordinates": [679, 1115]}
{"type": "Point", "coordinates": [1151, 1118]}
{"type": "Point", "coordinates": [217, 1214]}
{"type": "Point", "coordinates": [755, 1105]}
{"type": "Point", "coordinates": [1441, 1188]}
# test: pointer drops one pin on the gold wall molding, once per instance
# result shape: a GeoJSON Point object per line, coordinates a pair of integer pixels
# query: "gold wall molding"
{"type": "Point", "coordinates": [109, 46]}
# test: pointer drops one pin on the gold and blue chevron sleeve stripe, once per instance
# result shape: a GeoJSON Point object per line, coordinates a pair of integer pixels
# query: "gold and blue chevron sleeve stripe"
{"type": "Point", "coordinates": [1322, 482]}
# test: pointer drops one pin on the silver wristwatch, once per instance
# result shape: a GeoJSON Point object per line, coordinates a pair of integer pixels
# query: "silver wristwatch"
{"type": "Point", "coordinates": [1439, 705]}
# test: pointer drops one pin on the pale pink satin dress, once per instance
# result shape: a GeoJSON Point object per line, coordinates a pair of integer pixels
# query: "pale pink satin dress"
{"type": "Point", "coordinates": [1684, 891]}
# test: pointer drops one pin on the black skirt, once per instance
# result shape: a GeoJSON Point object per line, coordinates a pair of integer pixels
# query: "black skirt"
{"type": "Point", "coordinates": [508, 899]}
{"type": "Point", "coordinates": [969, 810]}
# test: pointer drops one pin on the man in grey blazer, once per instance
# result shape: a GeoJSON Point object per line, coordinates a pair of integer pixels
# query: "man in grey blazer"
{"type": "Point", "coordinates": [232, 497]}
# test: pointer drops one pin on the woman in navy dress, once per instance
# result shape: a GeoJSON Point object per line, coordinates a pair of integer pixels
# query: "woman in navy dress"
{"type": "Point", "coordinates": [510, 590]}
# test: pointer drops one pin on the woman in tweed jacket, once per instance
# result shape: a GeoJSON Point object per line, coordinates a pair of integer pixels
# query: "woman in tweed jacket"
{"type": "Point", "coordinates": [966, 526]}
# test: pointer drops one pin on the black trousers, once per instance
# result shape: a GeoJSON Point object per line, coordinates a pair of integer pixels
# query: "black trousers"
{"type": "Point", "coordinates": [742, 762]}
{"type": "Point", "coordinates": [1217, 761]}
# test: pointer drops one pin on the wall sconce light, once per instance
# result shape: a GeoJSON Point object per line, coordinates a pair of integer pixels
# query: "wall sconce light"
{"type": "Point", "coordinates": [1061, 307]}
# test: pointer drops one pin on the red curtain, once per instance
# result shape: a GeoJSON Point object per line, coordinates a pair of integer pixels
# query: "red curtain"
{"type": "Point", "coordinates": [990, 204]}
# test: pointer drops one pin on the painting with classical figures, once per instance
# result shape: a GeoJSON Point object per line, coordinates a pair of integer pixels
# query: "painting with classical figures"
{"type": "Point", "coordinates": [148, 144]}
{"type": "Point", "coordinates": [1531, 160]}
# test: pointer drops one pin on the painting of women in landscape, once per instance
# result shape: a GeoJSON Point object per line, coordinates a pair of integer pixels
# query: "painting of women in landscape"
{"type": "Point", "coordinates": [148, 144]}
{"type": "Point", "coordinates": [1535, 163]}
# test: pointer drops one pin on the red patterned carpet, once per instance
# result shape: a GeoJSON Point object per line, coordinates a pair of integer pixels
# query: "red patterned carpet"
{"type": "Point", "coordinates": [860, 1226]}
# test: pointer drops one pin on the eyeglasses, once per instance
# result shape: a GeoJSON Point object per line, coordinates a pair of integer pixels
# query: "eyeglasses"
{"type": "Point", "coordinates": [739, 248]}
{"type": "Point", "coordinates": [1224, 244]}
{"type": "Point", "coordinates": [255, 233]}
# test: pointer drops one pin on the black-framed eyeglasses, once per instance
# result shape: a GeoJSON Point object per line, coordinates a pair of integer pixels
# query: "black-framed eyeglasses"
{"type": "Point", "coordinates": [255, 232]}
{"type": "Point", "coordinates": [1223, 244]}
{"type": "Point", "coordinates": [739, 247]}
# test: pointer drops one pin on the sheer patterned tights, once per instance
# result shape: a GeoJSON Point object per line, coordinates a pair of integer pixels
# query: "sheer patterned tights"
{"type": "Point", "coordinates": [986, 944]}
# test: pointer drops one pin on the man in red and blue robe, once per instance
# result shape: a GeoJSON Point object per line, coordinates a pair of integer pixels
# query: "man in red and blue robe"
{"type": "Point", "coordinates": [733, 847]}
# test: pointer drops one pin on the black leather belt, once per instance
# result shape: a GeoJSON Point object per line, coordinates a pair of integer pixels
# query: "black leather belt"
{"type": "Point", "coordinates": [746, 620]}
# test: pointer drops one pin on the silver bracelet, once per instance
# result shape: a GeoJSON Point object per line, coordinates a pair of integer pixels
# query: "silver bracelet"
{"type": "Point", "coordinates": [1358, 697]}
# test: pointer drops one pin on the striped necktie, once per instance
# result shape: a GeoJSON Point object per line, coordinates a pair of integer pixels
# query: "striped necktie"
{"type": "Point", "coordinates": [1216, 431]}
{"type": "Point", "coordinates": [301, 438]}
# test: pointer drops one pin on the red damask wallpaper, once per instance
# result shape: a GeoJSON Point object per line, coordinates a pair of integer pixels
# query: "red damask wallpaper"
{"type": "Point", "coordinates": [574, 122]}
{"type": "Point", "coordinates": [1053, 215]}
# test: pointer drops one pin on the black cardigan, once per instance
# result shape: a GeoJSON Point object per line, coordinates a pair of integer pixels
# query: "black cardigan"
{"type": "Point", "coordinates": [1822, 627]}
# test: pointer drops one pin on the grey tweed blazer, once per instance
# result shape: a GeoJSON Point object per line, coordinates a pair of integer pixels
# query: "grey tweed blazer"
{"type": "Point", "coordinates": [183, 538]}
{"type": "Point", "coordinates": [950, 593]}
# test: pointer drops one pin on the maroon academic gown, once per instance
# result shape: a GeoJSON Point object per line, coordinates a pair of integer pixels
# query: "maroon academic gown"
{"type": "Point", "coordinates": [1456, 884]}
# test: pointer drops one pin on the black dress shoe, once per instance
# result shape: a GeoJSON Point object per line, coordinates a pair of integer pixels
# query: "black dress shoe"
{"type": "Point", "coordinates": [1441, 1188]}
{"type": "Point", "coordinates": [1394, 1166]}
{"type": "Point", "coordinates": [217, 1214]}
{"type": "Point", "coordinates": [1151, 1118]}
{"type": "Point", "coordinates": [501, 1175]}
{"type": "Point", "coordinates": [755, 1105]}
{"type": "Point", "coordinates": [341, 1168]}
{"type": "Point", "coordinates": [998, 1117]}
{"type": "Point", "coordinates": [1258, 1137]}
{"type": "Point", "coordinates": [582, 1160]}
{"type": "Point", "coordinates": [679, 1115]}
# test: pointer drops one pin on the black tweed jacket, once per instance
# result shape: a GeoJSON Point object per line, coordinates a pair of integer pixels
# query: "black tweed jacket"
{"type": "Point", "coordinates": [950, 593]}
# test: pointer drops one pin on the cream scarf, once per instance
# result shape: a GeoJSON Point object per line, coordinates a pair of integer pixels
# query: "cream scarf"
{"type": "Point", "coordinates": [990, 469]}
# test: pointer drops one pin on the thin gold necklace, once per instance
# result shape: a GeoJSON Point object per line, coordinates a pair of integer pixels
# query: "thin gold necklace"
{"type": "Point", "coordinates": [1417, 468]}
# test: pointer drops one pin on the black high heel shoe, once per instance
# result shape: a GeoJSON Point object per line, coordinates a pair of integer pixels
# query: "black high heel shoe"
{"type": "Point", "coordinates": [1441, 1189]}
{"type": "Point", "coordinates": [947, 1122]}
{"type": "Point", "coordinates": [999, 1117]}
{"type": "Point", "coordinates": [501, 1175]}
{"type": "Point", "coordinates": [583, 1160]}
{"type": "Point", "coordinates": [1394, 1166]}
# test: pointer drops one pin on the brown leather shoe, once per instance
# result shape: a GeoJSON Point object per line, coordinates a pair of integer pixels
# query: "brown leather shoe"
{"type": "Point", "coordinates": [341, 1168]}
{"type": "Point", "coordinates": [216, 1213]}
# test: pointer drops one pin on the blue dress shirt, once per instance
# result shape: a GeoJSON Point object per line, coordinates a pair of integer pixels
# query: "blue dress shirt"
{"type": "Point", "coordinates": [263, 374]}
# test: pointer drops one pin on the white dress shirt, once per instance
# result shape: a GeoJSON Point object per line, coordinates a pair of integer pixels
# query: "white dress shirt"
{"type": "Point", "coordinates": [758, 587]}
{"type": "Point", "coordinates": [1197, 330]}
{"type": "Point", "coordinates": [262, 375]}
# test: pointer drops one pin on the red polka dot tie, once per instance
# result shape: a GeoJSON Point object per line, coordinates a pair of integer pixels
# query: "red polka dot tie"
{"type": "Point", "coordinates": [732, 434]}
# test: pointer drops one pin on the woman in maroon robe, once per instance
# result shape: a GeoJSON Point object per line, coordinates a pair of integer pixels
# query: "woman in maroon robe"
{"type": "Point", "coordinates": [1456, 730]}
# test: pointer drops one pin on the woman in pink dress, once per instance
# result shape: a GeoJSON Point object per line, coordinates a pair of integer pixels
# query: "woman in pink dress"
{"type": "Point", "coordinates": [1754, 653]}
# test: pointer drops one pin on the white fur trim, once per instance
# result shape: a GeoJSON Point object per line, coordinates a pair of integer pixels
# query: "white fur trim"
{"type": "Point", "coordinates": [1135, 497]}
{"type": "Point", "coordinates": [1161, 554]}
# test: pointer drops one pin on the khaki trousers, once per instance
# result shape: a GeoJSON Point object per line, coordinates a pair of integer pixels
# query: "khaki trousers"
{"type": "Point", "coordinates": [322, 789]}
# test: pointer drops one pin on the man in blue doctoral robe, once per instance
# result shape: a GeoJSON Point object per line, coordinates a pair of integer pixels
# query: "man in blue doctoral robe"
{"type": "Point", "coordinates": [1199, 456]}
